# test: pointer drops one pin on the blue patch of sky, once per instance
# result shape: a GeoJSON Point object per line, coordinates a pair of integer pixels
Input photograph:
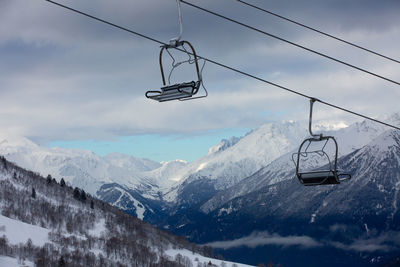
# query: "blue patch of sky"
{"type": "Point", "coordinates": [155, 146]}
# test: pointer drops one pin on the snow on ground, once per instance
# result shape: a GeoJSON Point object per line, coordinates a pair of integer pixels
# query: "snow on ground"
{"type": "Point", "coordinates": [19, 232]}
{"type": "Point", "coordinates": [140, 209]}
{"type": "Point", "coordinates": [13, 262]}
{"type": "Point", "coordinates": [99, 228]}
{"type": "Point", "coordinates": [195, 258]}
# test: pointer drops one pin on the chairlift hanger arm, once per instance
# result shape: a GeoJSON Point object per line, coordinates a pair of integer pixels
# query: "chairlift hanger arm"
{"type": "Point", "coordinates": [175, 40]}
{"type": "Point", "coordinates": [318, 136]}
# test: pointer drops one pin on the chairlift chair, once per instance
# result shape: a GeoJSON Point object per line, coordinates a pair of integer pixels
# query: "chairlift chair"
{"type": "Point", "coordinates": [180, 91]}
{"type": "Point", "coordinates": [323, 175]}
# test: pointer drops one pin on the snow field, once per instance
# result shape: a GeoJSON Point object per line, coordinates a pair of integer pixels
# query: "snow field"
{"type": "Point", "coordinates": [196, 258]}
{"type": "Point", "coordinates": [13, 262]}
{"type": "Point", "coordinates": [19, 232]}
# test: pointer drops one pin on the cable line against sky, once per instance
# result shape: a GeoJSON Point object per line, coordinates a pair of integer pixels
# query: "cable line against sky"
{"type": "Point", "coordinates": [291, 43]}
{"type": "Point", "coordinates": [226, 66]}
{"type": "Point", "coordinates": [318, 31]}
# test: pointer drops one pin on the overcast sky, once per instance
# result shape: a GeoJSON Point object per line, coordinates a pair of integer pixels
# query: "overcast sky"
{"type": "Point", "coordinates": [64, 77]}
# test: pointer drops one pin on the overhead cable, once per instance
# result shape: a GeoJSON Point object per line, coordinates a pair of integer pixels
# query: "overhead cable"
{"type": "Point", "coordinates": [226, 66]}
{"type": "Point", "coordinates": [318, 31]}
{"type": "Point", "coordinates": [290, 42]}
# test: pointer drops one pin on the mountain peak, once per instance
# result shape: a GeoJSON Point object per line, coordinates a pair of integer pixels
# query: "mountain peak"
{"type": "Point", "coordinates": [17, 142]}
{"type": "Point", "coordinates": [386, 141]}
{"type": "Point", "coordinates": [224, 144]}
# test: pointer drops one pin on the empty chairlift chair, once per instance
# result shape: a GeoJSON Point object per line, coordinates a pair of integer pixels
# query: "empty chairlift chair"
{"type": "Point", "coordinates": [179, 91]}
{"type": "Point", "coordinates": [316, 159]}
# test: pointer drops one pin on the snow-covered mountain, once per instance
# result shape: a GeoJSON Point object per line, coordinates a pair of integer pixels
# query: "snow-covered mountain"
{"type": "Point", "coordinates": [79, 167]}
{"type": "Point", "coordinates": [226, 164]}
{"type": "Point", "coordinates": [232, 160]}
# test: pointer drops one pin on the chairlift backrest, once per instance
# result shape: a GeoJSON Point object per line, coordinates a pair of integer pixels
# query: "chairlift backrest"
{"type": "Point", "coordinates": [179, 44]}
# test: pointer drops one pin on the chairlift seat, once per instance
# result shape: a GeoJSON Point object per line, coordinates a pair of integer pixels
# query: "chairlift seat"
{"type": "Point", "coordinates": [174, 92]}
{"type": "Point", "coordinates": [318, 178]}
{"type": "Point", "coordinates": [325, 177]}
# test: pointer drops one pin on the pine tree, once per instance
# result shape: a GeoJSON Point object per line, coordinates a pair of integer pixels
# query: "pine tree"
{"type": "Point", "coordinates": [62, 182]}
{"type": "Point", "coordinates": [83, 196]}
{"type": "Point", "coordinates": [77, 193]}
{"type": "Point", "coordinates": [4, 161]}
{"type": "Point", "coordinates": [49, 179]}
{"type": "Point", "coordinates": [33, 195]}
{"type": "Point", "coordinates": [61, 262]}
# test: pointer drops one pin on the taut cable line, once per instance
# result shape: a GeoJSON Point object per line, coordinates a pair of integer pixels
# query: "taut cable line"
{"type": "Point", "coordinates": [318, 31]}
{"type": "Point", "coordinates": [292, 43]}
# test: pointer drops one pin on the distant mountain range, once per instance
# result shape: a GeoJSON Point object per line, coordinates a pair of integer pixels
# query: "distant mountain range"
{"type": "Point", "coordinates": [245, 191]}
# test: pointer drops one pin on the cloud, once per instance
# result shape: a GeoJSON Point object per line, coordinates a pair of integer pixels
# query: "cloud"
{"type": "Point", "coordinates": [384, 242]}
{"type": "Point", "coordinates": [264, 238]}
{"type": "Point", "coordinates": [64, 76]}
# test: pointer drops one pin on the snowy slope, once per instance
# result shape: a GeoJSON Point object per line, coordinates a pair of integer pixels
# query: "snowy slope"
{"type": "Point", "coordinates": [19, 232]}
{"type": "Point", "coordinates": [13, 262]}
{"type": "Point", "coordinates": [196, 259]}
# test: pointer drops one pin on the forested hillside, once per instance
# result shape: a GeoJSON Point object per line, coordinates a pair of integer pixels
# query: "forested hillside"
{"type": "Point", "coordinates": [67, 227]}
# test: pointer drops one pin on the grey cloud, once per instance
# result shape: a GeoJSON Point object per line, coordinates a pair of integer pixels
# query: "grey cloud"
{"type": "Point", "coordinates": [383, 243]}
{"type": "Point", "coordinates": [264, 238]}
